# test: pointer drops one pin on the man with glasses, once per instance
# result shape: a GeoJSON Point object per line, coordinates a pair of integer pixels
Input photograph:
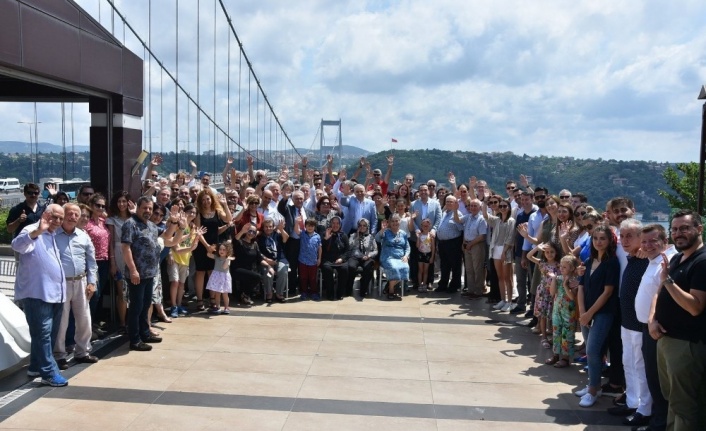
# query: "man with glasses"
{"type": "Point", "coordinates": [422, 208]}
{"type": "Point", "coordinates": [26, 212]}
{"type": "Point", "coordinates": [431, 187]}
{"type": "Point", "coordinates": [523, 273]}
{"type": "Point", "coordinates": [42, 292]}
{"type": "Point", "coordinates": [678, 323]}
{"type": "Point", "coordinates": [85, 193]}
{"type": "Point", "coordinates": [510, 187]}
{"type": "Point", "coordinates": [377, 176]}
{"type": "Point", "coordinates": [475, 229]}
{"type": "Point", "coordinates": [565, 196]}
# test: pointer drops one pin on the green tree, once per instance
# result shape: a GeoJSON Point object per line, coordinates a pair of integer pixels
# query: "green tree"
{"type": "Point", "coordinates": [684, 181]}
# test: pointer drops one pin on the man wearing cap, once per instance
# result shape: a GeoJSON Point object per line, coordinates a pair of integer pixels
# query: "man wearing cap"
{"type": "Point", "coordinates": [377, 176]}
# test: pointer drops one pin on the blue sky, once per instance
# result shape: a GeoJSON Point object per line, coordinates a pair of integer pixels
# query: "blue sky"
{"type": "Point", "coordinates": [585, 79]}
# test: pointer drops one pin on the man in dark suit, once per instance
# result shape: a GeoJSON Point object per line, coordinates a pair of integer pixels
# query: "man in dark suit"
{"type": "Point", "coordinates": [290, 211]}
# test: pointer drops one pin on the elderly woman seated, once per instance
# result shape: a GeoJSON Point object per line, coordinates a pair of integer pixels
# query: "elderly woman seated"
{"type": "Point", "coordinates": [394, 257]}
{"type": "Point", "coordinates": [362, 252]}
{"type": "Point", "coordinates": [334, 257]}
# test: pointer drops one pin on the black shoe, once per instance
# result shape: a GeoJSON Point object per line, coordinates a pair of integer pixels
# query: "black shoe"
{"type": "Point", "coordinates": [643, 428]}
{"type": "Point", "coordinates": [532, 323]}
{"type": "Point", "coordinates": [621, 411]}
{"type": "Point", "coordinates": [611, 391]}
{"type": "Point", "coordinates": [152, 339]}
{"type": "Point", "coordinates": [141, 347]}
{"type": "Point", "coordinates": [88, 359]}
{"type": "Point", "coordinates": [638, 419]}
{"type": "Point", "coordinates": [529, 313]}
{"type": "Point", "coordinates": [63, 364]}
{"type": "Point", "coordinates": [621, 401]}
{"type": "Point", "coordinates": [518, 309]}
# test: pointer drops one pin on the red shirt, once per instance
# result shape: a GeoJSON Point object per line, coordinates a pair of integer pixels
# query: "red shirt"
{"type": "Point", "coordinates": [383, 186]}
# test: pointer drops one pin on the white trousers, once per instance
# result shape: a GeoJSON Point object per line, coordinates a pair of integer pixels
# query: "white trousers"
{"type": "Point", "coordinates": [77, 302]}
{"type": "Point", "coordinates": [636, 389]}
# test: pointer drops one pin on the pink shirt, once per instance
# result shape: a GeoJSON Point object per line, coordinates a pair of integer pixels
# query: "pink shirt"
{"type": "Point", "coordinates": [100, 236]}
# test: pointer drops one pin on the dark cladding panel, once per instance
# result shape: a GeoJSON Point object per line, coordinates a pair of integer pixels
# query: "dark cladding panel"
{"type": "Point", "coordinates": [90, 26]}
{"type": "Point", "coordinates": [100, 64]}
{"type": "Point", "coordinates": [132, 75]}
{"type": "Point", "coordinates": [126, 105]}
{"type": "Point", "coordinates": [10, 51]}
{"type": "Point", "coordinates": [63, 10]}
{"type": "Point", "coordinates": [51, 47]}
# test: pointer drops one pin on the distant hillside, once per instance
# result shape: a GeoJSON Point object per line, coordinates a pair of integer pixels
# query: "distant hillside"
{"type": "Point", "coordinates": [348, 151]}
{"type": "Point", "coordinates": [599, 179]}
{"type": "Point", "coordinates": [11, 147]}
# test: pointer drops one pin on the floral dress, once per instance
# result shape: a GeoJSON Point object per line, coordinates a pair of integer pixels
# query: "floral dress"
{"type": "Point", "coordinates": [543, 302]}
{"type": "Point", "coordinates": [564, 321]}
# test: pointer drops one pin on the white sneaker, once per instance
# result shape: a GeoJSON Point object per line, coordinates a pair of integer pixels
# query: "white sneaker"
{"type": "Point", "coordinates": [581, 392]}
{"type": "Point", "coordinates": [507, 307]}
{"type": "Point", "coordinates": [588, 400]}
{"type": "Point", "coordinates": [499, 305]}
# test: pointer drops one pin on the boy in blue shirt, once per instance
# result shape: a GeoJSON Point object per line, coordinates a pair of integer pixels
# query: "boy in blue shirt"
{"type": "Point", "coordinates": [309, 258]}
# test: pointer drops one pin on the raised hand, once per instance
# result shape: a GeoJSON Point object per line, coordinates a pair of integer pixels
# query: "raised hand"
{"type": "Point", "coordinates": [230, 160]}
{"type": "Point", "coordinates": [329, 159]}
{"type": "Point", "coordinates": [305, 161]}
{"type": "Point", "coordinates": [390, 159]}
{"type": "Point", "coordinates": [472, 182]}
{"type": "Point", "coordinates": [452, 178]}
{"type": "Point", "coordinates": [156, 160]}
{"type": "Point", "coordinates": [329, 231]}
{"type": "Point", "coordinates": [249, 160]}
{"type": "Point", "coordinates": [51, 188]}
{"type": "Point", "coordinates": [342, 174]}
{"type": "Point", "coordinates": [523, 180]}
{"type": "Point", "coordinates": [362, 162]}
{"type": "Point", "coordinates": [131, 207]}
{"type": "Point", "coordinates": [192, 163]}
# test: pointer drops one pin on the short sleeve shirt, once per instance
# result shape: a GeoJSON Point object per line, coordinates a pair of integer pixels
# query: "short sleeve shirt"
{"type": "Point", "coordinates": [32, 216]}
{"type": "Point", "coordinates": [689, 274]}
{"type": "Point", "coordinates": [594, 283]}
{"type": "Point", "coordinates": [145, 248]}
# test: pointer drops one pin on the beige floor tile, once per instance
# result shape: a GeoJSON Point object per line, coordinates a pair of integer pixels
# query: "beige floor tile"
{"type": "Point", "coordinates": [169, 359]}
{"type": "Point", "coordinates": [181, 342]}
{"type": "Point", "coordinates": [238, 383]}
{"type": "Point", "coordinates": [290, 332]}
{"type": "Point", "coordinates": [268, 346]}
{"type": "Point", "coordinates": [413, 335]}
{"type": "Point", "coordinates": [61, 414]}
{"type": "Point", "coordinates": [178, 418]}
{"type": "Point", "coordinates": [194, 326]}
{"type": "Point", "coordinates": [342, 322]}
{"type": "Point", "coordinates": [254, 363]}
{"type": "Point", "coordinates": [276, 319]}
{"type": "Point", "coordinates": [126, 377]}
{"type": "Point", "coordinates": [370, 368]}
{"type": "Point", "coordinates": [317, 421]}
{"type": "Point", "coordinates": [534, 396]}
{"type": "Point", "coordinates": [462, 425]}
{"type": "Point", "coordinates": [358, 349]}
{"type": "Point", "coordinates": [481, 372]}
{"type": "Point", "coordinates": [365, 310]}
{"type": "Point", "coordinates": [366, 389]}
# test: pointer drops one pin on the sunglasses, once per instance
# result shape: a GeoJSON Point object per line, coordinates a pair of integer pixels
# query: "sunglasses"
{"type": "Point", "coordinates": [503, 206]}
{"type": "Point", "coordinates": [32, 193]}
{"type": "Point", "coordinates": [581, 213]}
{"type": "Point", "coordinates": [431, 185]}
{"type": "Point", "coordinates": [101, 206]}
{"type": "Point", "coordinates": [155, 176]}
{"type": "Point", "coordinates": [252, 232]}
{"type": "Point", "coordinates": [588, 226]}
{"type": "Point", "coordinates": [564, 197]}
{"type": "Point", "coordinates": [492, 202]}
{"type": "Point", "coordinates": [376, 175]}
{"type": "Point", "coordinates": [539, 197]}
{"type": "Point", "coordinates": [326, 203]}
{"type": "Point", "coordinates": [509, 188]}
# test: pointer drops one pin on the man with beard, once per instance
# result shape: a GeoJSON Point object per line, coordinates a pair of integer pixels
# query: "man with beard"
{"type": "Point", "coordinates": [678, 323]}
{"type": "Point", "coordinates": [533, 225]}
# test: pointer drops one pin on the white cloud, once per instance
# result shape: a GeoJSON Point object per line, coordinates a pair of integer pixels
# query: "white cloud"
{"type": "Point", "coordinates": [588, 79]}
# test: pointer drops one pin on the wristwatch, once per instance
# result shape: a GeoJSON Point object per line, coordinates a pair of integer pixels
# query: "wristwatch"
{"type": "Point", "coordinates": [669, 280]}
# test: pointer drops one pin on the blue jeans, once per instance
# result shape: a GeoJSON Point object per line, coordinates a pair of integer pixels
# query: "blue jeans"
{"type": "Point", "coordinates": [43, 319]}
{"type": "Point", "coordinates": [140, 295]}
{"type": "Point", "coordinates": [597, 335]}
{"type": "Point", "coordinates": [102, 283]}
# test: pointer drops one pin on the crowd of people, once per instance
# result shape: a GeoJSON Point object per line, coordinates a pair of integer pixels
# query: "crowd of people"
{"type": "Point", "coordinates": [563, 262]}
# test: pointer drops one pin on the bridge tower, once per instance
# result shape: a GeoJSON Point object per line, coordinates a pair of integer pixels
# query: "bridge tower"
{"type": "Point", "coordinates": [323, 150]}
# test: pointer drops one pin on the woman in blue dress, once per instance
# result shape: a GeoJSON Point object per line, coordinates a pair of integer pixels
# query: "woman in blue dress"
{"type": "Point", "coordinates": [395, 254]}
